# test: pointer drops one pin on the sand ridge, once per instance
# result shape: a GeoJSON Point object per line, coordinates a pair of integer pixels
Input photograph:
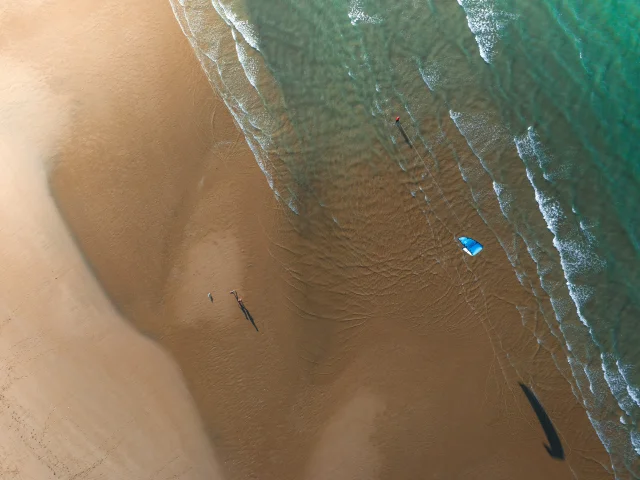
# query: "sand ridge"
{"type": "Point", "coordinates": [82, 393]}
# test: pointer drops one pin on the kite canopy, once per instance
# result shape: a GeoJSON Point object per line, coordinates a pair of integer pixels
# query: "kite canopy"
{"type": "Point", "coordinates": [470, 246]}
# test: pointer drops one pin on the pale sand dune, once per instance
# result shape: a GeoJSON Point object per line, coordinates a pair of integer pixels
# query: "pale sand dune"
{"type": "Point", "coordinates": [82, 395]}
{"type": "Point", "coordinates": [344, 380]}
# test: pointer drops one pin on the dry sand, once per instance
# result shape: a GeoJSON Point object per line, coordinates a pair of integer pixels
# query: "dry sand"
{"type": "Point", "coordinates": [82, 394]}
{"type": "Point", "coordinates": [362, 369]}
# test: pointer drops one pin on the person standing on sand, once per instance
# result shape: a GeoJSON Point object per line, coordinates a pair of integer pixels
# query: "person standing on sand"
{"type": "Point", "coordinates": [238, 299]}
{"type": "Point", "coordinates": [246, 313]}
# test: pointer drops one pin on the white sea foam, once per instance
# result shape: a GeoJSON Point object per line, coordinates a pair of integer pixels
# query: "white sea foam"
{"type": "Point", "coordinates": [234, 77]}
{"type": "Point", "coordinates": [293, 206]}
{"type": "Point", "coordinates": [232, 18]}
{"type": "Point", "coordinates": [482, 135]}
{"type": "Point", "coordinates": [487, 23]}
{"type": "Point", "coordinates": [635, 441]}
{"type": "Point", "coordinates": [358, 15]}
{"type": "Point", "coordinates": [575, 248]}
{"type": "Point", "coordinates": [236, 80]}
{"type": "Point", "coordinates": [249, 64]}
{"type": "Point", "coordinates": [627, 371]}
{"type": "Point", "coordinates": [574, 242]}
{"type": "Point", "coordinates": [430, 73]}
{"type": "Point", "coordinates": [576, 257]}
{"type": "Point", "coordinates": [617, 383]}
{"type": "Point", "coordinates": [588, 229]}
{"type": "Point", "coordinates": [505, 198]}
{"type": "Point", "coordinates": [261, 162]}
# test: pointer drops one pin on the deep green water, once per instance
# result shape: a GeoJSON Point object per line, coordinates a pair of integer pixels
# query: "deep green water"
{"type": "Point", "coordinates": [544, 93]}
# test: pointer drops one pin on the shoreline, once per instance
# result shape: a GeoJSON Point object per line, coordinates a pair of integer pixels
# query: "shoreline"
{"type": "Point", "coordinates": [372, 360]}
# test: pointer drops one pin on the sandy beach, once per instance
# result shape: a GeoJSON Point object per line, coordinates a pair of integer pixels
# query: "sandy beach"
{"type": "Point", "coordinates": [129, 194]}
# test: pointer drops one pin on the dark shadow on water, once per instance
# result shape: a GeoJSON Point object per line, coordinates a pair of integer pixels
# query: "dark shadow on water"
{"type": "Point", "coordinates": [404, 134]}
{"type": "Point", "coordinates": [555, 446]}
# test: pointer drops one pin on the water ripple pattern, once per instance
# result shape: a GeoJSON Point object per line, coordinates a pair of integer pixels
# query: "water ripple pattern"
{"type": "Point", "coordinates": [532, 105]}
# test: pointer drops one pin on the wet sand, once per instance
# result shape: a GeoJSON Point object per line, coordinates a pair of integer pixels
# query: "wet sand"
{"type": "Point", "coordinates": [372, 360]}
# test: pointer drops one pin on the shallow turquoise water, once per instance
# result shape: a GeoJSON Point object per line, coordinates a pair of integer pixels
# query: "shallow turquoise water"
{"type": "Point", "coordinates": [544, 93]}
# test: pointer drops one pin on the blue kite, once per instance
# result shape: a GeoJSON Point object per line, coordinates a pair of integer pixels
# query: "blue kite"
{"type": "Point", "coordinates": [470, 246]}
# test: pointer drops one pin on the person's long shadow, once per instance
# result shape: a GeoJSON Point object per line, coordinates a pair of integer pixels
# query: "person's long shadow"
{"type": "Point", "coordinates": [555, 446]}
{"type": "Point", "coordinates": [404, 134]}
{"type": "Point", "coordinates": [248, 316]}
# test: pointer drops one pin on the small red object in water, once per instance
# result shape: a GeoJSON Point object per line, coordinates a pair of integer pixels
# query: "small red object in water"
{"type": "Point", "coordinates": [397, 119]}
